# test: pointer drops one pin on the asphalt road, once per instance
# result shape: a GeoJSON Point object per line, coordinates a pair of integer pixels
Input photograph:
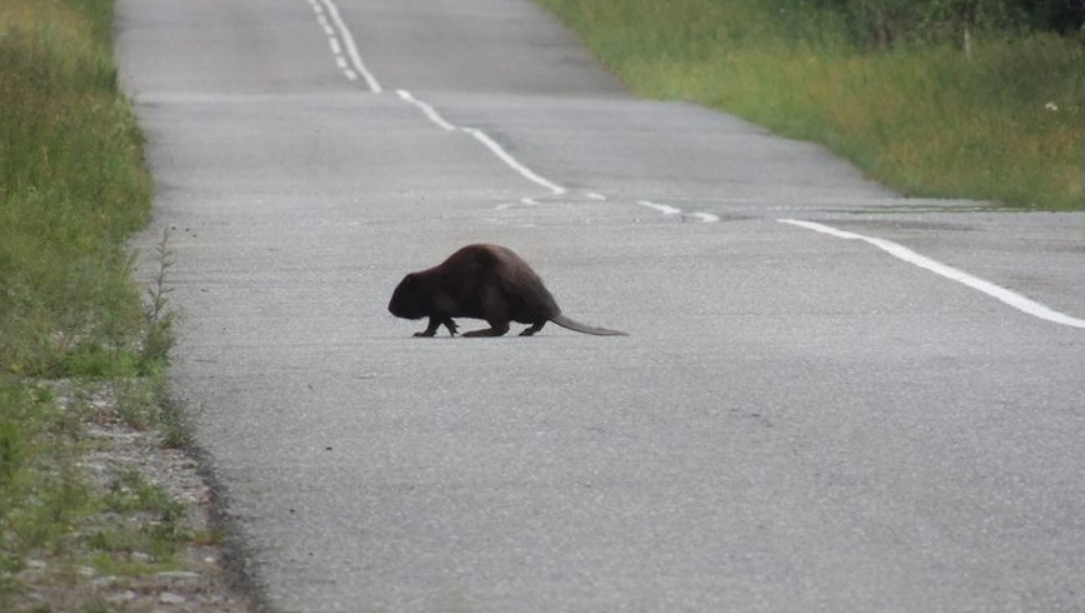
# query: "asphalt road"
{"type": "Point", "coordinates": [798, 421]}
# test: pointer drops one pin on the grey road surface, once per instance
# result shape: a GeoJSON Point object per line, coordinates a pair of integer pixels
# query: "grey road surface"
{"type": "Point", "coordinates": [798, 421]}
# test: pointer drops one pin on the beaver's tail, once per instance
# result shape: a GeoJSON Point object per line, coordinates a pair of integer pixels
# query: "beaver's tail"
{"type": "Point", "coordinates": [571, 324]}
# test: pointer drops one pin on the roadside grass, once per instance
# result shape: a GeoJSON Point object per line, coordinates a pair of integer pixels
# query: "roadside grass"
{"type": "Point", "coordinates": [72, 188]}
{"type": "Point", "coordinates": [79, 349]}
{"type": "Point", "coordinates": [1005, 125]}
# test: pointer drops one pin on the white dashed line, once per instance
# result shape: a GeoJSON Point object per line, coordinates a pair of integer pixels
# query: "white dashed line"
{"type": "Point", "coordinates": [351, 65]}
{"type": "Point", "coordinates": [706, 217]}
{"type": "Point", "coordinates": [349, 62]}
{"type": "Point", "coordinates": [662, 208]}
{"type": "Point", "coordinates": [340, 38]}
{"type": "Point", "coordinates": [669, 210]}
{"type": "Point", "coordinates": [1009, 297]}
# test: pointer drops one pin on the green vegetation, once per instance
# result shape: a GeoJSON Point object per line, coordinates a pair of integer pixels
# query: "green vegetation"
{"type": "Point", "coordinates": [72, 188]}
{"type": "Point", "coordinates": [937, 98]}
{"type": "Point", "coordinates": [77, 346]}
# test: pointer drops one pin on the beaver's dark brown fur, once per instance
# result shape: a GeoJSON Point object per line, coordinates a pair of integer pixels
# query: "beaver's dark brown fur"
{"type": "Point", "coordinates": [482, 282]}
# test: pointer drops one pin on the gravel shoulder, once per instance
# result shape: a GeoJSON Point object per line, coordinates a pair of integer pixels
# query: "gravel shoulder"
{"type": "Point", "coordinates": [112, 457]}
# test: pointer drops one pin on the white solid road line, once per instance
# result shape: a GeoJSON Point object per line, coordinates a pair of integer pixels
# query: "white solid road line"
{"type": "Point", "coordinates": [1009, 297]}
{"type": "Point", "coordinates": [485, 139]}
{"type": "Point", "coordinates": [427, 110]}
{"type": "Point", "coordinates": [513, 163]}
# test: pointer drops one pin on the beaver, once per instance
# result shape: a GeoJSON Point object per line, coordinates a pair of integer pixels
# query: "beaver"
{"type": "Point", "coordinates": [482, 282]}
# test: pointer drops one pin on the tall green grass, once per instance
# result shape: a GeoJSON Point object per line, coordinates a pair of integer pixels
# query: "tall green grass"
{"type": "Point", "coordinates": [1005, 124]}
{"type": "Point", "coordinates": [73, 188]}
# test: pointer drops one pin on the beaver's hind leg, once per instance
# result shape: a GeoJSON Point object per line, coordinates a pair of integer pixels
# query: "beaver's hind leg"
{"type": "Point", "coordinates": [531, 330]}
{"type": "Point", "coordinates": [496, 329]}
